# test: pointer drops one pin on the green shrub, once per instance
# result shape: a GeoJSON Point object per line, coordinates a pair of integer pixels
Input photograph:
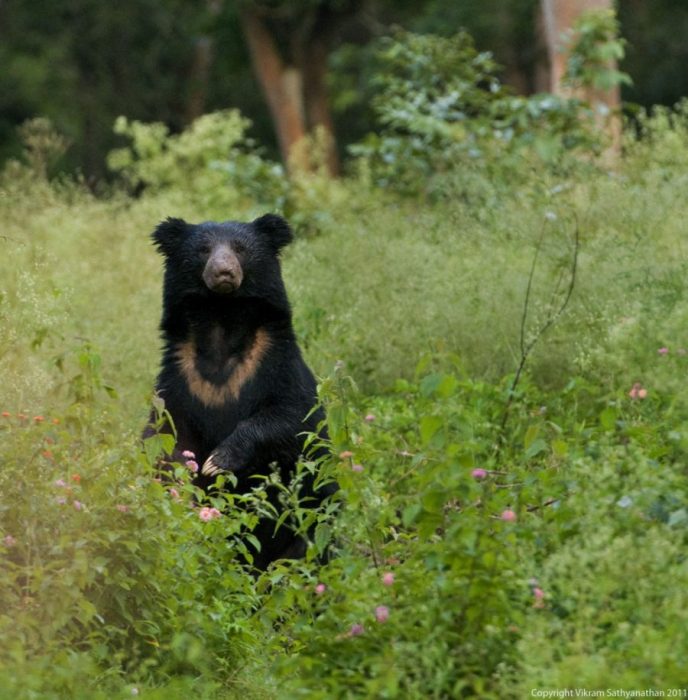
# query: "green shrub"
{"type": "Point", "coordinates": [594, 51]}
{"type": "Point", "coordinates": [213, 161]}
{"type": "Point", "coordinates": [442, 109]}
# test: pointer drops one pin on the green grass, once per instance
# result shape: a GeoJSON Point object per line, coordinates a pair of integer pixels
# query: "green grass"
{"type": "Point", "coordinates": [423, 303]}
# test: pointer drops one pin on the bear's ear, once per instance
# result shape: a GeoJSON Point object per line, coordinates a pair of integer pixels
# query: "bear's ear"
{"type": "Point", "coordinates": [275, 229]}
{"type": "Point", "coordinates": [169, 234]}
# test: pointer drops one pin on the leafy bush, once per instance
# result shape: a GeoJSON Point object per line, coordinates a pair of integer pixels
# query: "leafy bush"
{"type": "Point", "coordinates": [216, 165]}
{"type": "Point", "coordinates": [442, 108]}
{"type": "Point", "coordinates": [212, 160]}
{"type": "Point", "coordinates": [101, 556]}
{"type": "Point", "coordinates": [595, 47]}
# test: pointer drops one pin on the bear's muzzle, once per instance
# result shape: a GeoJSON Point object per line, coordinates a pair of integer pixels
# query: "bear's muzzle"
{"type": "Point", "coordinates": [223, 273]}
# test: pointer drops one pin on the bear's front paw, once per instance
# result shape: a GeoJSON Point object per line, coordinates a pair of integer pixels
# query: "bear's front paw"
{"type": "Point", "coordinates": [212, 466]}
{"type": "Point", "coordinates": [222, 459]}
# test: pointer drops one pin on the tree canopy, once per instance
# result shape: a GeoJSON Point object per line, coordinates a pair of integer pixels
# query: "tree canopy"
{"type": "Point", "coordinates": [83, 63]}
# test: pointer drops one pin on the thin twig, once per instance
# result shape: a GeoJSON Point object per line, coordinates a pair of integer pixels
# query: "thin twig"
{"type": "Point", "coordinates": [526, 301]}
{"type": "Point", "coordinates": [549, 502]}
{"type": "Point", "coordinates": [526, 348]}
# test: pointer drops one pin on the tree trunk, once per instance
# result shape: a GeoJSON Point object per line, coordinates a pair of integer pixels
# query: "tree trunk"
{"type": "Point", "coordinates": [513, 72]}
{"type": "Point", "coordinates": [558, 17]}
{"type": "Point", "coordinates": [295, 89]}
{"type": "Point", "coordinates": [317, 103]}
{"type": "Point", "coordinates": [200, 74]}
{"type": "Point", "coordinates": [282, 87]}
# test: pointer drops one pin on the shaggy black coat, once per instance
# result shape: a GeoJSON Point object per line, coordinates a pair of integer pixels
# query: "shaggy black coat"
{"type": "Point", "coordinates": [232, 377]}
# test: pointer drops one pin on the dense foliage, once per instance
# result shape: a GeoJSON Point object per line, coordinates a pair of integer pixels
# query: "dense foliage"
{"type": "Point", "coordinates": [494, 536]}
{"type": "Point", "coordinates": [440, 103]}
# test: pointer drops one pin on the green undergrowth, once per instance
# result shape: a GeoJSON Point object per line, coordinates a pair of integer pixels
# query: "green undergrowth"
{"type": "Point", "coordinates": [470, 536]}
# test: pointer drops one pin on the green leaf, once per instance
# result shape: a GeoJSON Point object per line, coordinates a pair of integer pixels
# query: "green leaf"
{"type": "Point", "coordinates": [530, 436]}
{"type": "Point", "coordinates": [434, 500]}
{"type": "Point", "coordinates": [429, 425]}
{"type": "Point", "coordinates": [447, 387]}
{"type": "Point", "coordinates": [280, 521]}
{"type": "Point", "coordinates": [410, 514]}
{"type": "Point", "coordinates": [608, 418]}
{"type": "Point", "coordinates": [428, 523]}
{"type": "Point", "coordinates": [430, 384]}
{"type": "Point", "coordinates": [560, 448]}
{"type": "Point", "coordinates": [536, 448]}
{"type": "Point", "coordinates": [322, 536]}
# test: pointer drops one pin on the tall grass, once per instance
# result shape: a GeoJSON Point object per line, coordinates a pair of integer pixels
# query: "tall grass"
{"type": "Point", "coordinates": [383, 282]}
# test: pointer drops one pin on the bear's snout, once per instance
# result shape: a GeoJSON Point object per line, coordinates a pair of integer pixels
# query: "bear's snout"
{"type": "Point", "coordinates": [223, 271]}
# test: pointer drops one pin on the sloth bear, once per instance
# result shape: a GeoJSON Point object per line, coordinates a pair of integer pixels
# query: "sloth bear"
{"type": "Point", "coordinates": [232, 376]}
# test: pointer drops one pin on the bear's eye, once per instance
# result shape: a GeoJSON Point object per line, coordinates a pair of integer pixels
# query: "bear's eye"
{"type": "Point", "coordinates": [239, 247]}
{"type": "Point", "coordinates": [204, 248]}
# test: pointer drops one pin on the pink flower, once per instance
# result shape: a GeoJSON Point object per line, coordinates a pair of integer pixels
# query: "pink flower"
{"type": "Point", "coordinates": [539, 598]}
{"type": "Point", "coordinates": [637, 391]}
{"type": "Point", "coordinates": [122, 508]}
{"type": "Point", "coordinates": [356, 629]}
{"type": "Point", "coordinates": [188, 454]}
{"type": "Point", "coordinates": [369, 418]}
{"type": "Point", "coordinates": [381, 613]}
{"type": "Point", "coordinates": [78, 505]}
{"type": "Point", "coordinates": [206, 514]}
{"type": "Point", "coordinates": [479, 473]}
{"type": "Point", "coordinates": [320, 589]}
{"type": "Point", "coordinates": [9, 541]}
{"type": "Point", "coordinates": [663, 351]}
{"type": "Point", "coordinates": [387, 578]}
{"type": "Point", "coordinates": [60, 483]}
{"type": "Point", "coordinates": [61, 500]}
{"type": "Point", "coordinates": [347, 454]}
{"type": "Point", "coordinates": [356, 467]}
{"type": "Point", "coordinates": [174, 493]}
{"type": "Point", "coordinates": [193, 466]}
{"type": "Point", "coordinates": [508, 516]}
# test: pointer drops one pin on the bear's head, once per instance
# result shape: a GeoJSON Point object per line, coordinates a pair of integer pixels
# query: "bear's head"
{"type": "Point", "coordinates": [223, 259]}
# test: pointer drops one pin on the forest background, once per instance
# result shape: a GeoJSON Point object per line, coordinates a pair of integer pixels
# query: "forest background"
{"type": "Point", "coordinates": [83, 63]}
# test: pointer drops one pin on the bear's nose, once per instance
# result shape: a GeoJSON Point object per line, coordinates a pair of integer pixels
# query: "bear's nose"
{"type": "Point", "coordinates": [223, 272]}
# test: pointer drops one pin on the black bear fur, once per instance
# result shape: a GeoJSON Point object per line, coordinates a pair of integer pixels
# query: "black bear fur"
{"type": "Point", "coordinates": [232, 376]}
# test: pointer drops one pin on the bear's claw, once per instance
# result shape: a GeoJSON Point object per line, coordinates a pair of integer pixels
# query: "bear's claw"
{"type": "Point", "coordinates": [210, 468]}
